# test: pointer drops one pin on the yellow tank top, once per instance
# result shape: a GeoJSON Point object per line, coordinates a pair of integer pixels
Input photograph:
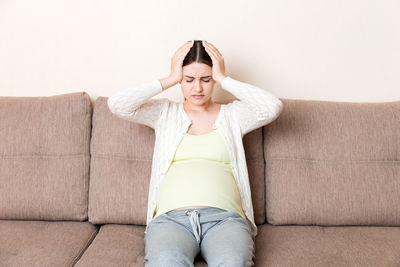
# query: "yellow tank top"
{"type": "Point", "coordinates": [200, 175]}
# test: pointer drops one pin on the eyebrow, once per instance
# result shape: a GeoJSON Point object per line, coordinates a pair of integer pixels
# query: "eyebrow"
{"type": "Point", "coordinates": [194, 77]}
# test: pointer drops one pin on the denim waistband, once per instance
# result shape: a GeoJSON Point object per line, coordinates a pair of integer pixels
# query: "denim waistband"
{"type": "Point", "coordinates": [185, 211]}
{"type": "Point", "coordinates": [194, 219]}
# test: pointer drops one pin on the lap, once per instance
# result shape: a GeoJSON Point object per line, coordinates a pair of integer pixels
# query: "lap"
{"type": "Point", "coordinates": [229, 242]}
{"type": "Point", "coordinates": [166, 241]}
{"type": "Point", "coordinates": [226, 241]}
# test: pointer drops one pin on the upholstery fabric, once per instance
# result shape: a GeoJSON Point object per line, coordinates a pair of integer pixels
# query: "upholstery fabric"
{"type": "Point", "coordinates": [333, 163]}
{"type": "Point", "coordinates": [119, 245]}
{"type": "Point", "coordinates": [330, 246]}
{"type": "Point", "coordinates": [43, 243]}
{"type": "Point", "coordinates": [44, 157]}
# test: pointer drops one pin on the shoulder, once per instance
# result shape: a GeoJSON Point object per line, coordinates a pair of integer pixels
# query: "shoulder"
{"type": "Point", "coordinates": [233, 106]}
{"type": "Point", "coordinates": [167, 104]}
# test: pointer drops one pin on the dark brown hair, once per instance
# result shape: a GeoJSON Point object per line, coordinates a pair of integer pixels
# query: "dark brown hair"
{"type": "Point", "coordinates": [197, 53]}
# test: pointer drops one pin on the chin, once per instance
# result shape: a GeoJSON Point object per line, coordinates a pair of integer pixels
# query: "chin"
{"type": "Point", "coordinates": [200, 101]}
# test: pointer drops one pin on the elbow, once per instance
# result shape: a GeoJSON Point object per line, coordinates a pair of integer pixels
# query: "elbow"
{"type": "Point", "coordinates": [271, 113]}
{"type": "Point", "coordinates": [118, 109]}
{"type": "Point", "coordinates": [277, 110]}
{"type": "Point", "coordinates": [111, 105]}
{"type": "Point", "coordinates": [279, 107]}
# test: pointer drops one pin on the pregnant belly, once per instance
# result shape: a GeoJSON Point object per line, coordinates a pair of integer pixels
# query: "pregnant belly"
{"type": "Point", "coordinates": [195, 183]}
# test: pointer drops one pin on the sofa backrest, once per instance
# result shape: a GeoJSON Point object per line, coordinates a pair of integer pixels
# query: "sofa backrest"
{"type": "Point", "coordinates": [120, 169]}
{"type": "Point", "coordinates": [333, 163]}
{"type": "Point", "coordinates": [44, 162]}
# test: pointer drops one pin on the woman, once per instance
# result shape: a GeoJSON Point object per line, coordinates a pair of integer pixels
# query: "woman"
{"type": "Point", "coordinates": [199, 196]}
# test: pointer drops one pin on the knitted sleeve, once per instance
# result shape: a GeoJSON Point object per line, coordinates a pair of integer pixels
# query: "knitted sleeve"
{"type": "Point", "coordinates": [134, 103]}
{"type": "Point", "coordinates": [255, 108]}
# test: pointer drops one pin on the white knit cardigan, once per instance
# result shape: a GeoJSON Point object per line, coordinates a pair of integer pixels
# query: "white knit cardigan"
{"type": "Point", "coordinates": [254, 108]}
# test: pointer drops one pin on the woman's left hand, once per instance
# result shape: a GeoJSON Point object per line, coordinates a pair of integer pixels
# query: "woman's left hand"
{"type": "Point", "coordinates": [218, 68]}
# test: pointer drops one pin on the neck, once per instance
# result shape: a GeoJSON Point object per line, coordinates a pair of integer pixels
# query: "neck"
{"type": "Point", "coordinates": [202, 107]}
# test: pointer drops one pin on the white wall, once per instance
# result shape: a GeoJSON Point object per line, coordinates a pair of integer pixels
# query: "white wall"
{"type": "Point", "coordinates": [342, 50]}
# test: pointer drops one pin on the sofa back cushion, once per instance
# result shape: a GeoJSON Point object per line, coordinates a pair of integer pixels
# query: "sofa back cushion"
{"type": "Point", "coordinates": [333, 163]}
{"type": "Point", "coordinates": [44, 162]}
{"type": "Point", "coordinates": [120, 169]}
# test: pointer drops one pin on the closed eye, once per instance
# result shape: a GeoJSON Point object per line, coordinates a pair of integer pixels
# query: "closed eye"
{"type": "Point", "coordinates": [203, 81]}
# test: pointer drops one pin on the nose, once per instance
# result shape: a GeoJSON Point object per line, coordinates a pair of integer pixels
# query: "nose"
{"type": "Point", "coordinates": [197, 86]}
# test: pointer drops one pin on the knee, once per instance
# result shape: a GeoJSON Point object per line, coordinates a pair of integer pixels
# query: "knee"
{"type": "Point", "coordinates": [234, 260]}
{"type": "Point", "coordinates": [167, 258]}
{"type": "Point", "coordinates": [234, 263]}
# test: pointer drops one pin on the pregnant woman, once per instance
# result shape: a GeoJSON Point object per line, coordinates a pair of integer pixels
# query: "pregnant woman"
{"type": "Point", "coordinates": [199, 195]}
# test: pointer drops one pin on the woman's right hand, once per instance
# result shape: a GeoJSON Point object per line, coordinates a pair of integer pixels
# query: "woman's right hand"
{"type": "Point", "coordinates": [177, 61]}
{"type": "Point", "coordinates": [176, 66]}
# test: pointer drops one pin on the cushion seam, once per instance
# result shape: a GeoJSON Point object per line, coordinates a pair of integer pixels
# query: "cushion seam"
{"type": "Point", "coordinates": [84, 247]}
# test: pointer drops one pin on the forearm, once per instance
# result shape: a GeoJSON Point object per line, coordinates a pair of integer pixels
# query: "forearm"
{"type": "Point", "coordinates": [127, 100]}
{"type": "Point", "coordinates": [260, 100]}
{"type": "Point", "coordinates": [167, 82]}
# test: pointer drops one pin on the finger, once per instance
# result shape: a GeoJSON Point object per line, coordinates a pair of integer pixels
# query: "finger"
{"type": "Point", "coordinates": [212, 54]}
{"type": "Point", "coordinates": [214, 48]}
{"type": "Point", "coordinates": [183, 46]}
{"type": "Point", "coordinates": [189, 43]}
{"type": "Point", "coordinates": [211, 48]}
{"type": "Point", "coordinates": [209, 51]}
{"type": "Point", "coordinates": [183, 50]}
{"type": "Point", "coordinates": [186, 45]}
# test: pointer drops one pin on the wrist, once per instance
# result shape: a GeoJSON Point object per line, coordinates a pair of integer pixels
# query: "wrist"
{"type": "Point", "coordinates": [220, 78]}
{"type": "Point", "coordinates": [167, 82]}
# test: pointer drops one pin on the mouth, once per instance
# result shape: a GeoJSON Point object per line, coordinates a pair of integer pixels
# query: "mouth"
{"type": "Point", "coordinates": [197, 96]}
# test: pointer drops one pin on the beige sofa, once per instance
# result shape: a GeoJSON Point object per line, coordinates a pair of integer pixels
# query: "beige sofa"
{"type": "Point", "coordinates": [325, 180]}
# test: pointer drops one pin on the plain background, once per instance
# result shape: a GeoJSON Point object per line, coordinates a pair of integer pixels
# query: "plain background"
{"type": "Point", "coordinates": [342, 50]}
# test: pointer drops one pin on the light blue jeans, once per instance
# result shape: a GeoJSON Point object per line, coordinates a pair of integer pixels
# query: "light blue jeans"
{"type": "Point", "coordinates": [224, 238]}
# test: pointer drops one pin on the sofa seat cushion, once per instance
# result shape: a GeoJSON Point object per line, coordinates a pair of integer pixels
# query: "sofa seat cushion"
{"type": "Point", "coordinates": [119, 245]}
{"type": "Point", "coordinates": [327, 246]}
{"type": "Point", "coordinates": [43, 243]}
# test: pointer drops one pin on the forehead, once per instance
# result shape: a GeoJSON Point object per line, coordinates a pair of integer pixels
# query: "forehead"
{"type": "Point", "coordinates": [197, 69]}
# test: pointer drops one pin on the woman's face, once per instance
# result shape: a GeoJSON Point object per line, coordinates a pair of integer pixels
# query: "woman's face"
{"type": "Point", "coordinates": [197, 80]}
